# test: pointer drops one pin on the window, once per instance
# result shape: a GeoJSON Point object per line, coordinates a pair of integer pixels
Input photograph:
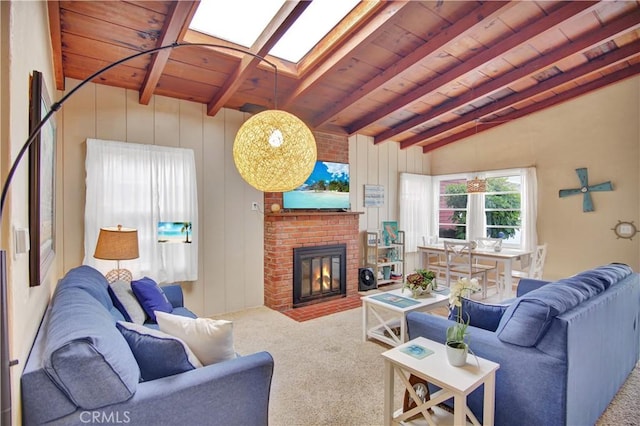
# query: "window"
{"type": "Point", "coordinates": [452, 208]}
{"type": "Point", "coordinates": [502, 208]}
{"type": "Point", "coordinates": [143, 186]}
{"type": "Point", "coordinates": [499, 212]}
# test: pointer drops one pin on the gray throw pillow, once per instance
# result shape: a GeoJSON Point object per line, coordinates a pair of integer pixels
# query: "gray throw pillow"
{"type": "Point", "coordinates": [127, 303]}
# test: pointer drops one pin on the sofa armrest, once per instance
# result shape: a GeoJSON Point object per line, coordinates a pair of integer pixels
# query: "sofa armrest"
{"type": "Point", "coordinates": [530, 385]}
{"type": "Point", "coordinates": [233, 392]}
{"type": "Point", "coordinates": [529, 284]}
{"type": "Point", "coordinates": [174, 294]}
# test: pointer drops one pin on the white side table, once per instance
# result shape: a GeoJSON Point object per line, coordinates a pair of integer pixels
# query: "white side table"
{"type": "Point", "coordinates": [397, 303]}
{"type": "Point", "coordinates": [455, 382]}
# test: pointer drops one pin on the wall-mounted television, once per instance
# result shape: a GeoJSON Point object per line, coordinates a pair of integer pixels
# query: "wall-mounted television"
{"type": "Point", "coordinates": [326, 188]}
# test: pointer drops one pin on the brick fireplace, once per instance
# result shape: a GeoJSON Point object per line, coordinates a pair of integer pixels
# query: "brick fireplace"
{"type": "Point", "coordinates": [285, 231]}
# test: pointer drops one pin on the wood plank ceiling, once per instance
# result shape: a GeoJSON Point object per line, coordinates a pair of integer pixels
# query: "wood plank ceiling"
{"type": "Point", "coordinates": [417, 73]}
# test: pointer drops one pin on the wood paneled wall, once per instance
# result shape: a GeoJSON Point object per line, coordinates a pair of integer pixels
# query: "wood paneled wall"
{"type": "Point", "coordinates": [381, 165]}
{"type": "Point", "coordinates": [230, 255]}
{"type": "Point", "coordinates": [231, 275]}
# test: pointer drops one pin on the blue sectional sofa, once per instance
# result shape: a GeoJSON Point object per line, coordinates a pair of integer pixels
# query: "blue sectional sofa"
{"type": "Point", "coordinates": [81, 370]}
{"type": "Point", "coordinates": [564, 348]}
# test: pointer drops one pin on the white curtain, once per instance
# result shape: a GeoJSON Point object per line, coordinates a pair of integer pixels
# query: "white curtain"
{"type": "Point", "coordinates": [138, 186]}
{"type": "Point", "coordinates": [415, 209]}
{"type": "Point", "coordinates": [529, 209]}
{"type": "Point", "coordinates": [476, 226]}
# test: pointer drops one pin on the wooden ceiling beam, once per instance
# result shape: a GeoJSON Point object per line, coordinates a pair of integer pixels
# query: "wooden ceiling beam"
{"type": "Point", "coordinates": [555, 100]}
{"type": "Point", "coordinates": [448, 35]}
{"type": "Point", "coordinates": [568, 11]}
{"type": "Point", "coordinates": [53, 7]}
{"type": "Point", "coordinates": [607, 60]}
{"type": "Point", "coordinates": [628, 22]}
{"type": "Point", "coordinates": [384, 12]}
{"type": "Point", "coordinates": [281, 22]}
{"type": "Point", "coordinates": [176, 23]}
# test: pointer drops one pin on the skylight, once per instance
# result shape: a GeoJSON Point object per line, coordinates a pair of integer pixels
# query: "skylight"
{"type": "Point", "coordinates": [242, 22]}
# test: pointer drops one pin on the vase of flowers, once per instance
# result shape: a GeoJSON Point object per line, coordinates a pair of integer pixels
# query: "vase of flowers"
{"type": "Point", "coordinates": [457, 334]}
{"type": "Point", "coordinates": [421, 282]}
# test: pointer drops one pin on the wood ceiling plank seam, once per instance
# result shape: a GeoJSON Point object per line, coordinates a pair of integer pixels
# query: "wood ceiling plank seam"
{"type": "Point", "coordinates": [275, 29]}
{"type": "Point", "coordinates": [581, 90]}
{"type": "Point", "coordinates": [607, 60]}
{"type": "Point", "coordinates": [53, 9]}
{"type": "Point", "coordinates": [95, 29]}
{"type": "Point", "coordinates": [361, 36]}
{"type": "Point", "coordinates": [174, 25]}
{"type": "Point", "coordinates": [123, 14]}
{"type": "Point", "coordinates": [611, 30]}
{"type": "Point", "coordinates": [542, 25]}
{"type": "Point", "coordinates": [488, 10]}
{"type": "Point", "coordinates": [156, 6]}
{"type": "Point", "coordinates": [105, 52]}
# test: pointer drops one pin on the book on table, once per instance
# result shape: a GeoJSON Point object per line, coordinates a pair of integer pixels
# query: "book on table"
{"type": "Point", "coordinates": [395, 300]}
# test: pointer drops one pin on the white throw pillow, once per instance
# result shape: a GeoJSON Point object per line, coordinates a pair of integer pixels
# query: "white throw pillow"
{"type": "Point", "coordinates": [211, 340]}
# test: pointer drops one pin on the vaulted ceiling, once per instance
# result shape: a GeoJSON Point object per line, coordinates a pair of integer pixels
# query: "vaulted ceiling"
{"type": "Point", "coordinates": [417, 73]}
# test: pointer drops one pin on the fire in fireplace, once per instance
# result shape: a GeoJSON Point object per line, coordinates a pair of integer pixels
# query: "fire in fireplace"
{"type": "Point", "coordinates": [319, 272]}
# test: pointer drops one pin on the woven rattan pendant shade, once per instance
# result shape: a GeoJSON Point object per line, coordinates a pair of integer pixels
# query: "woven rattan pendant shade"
{"type": "Point", "coordinates": [274, 151]}
{"type": "Point", "coordinates": [476, 185]}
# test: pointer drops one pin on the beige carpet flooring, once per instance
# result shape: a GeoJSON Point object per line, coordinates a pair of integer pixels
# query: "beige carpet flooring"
{"type": "Point", "coordinates": [325, 374]}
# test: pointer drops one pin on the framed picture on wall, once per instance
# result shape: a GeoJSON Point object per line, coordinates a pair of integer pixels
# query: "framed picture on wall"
{"type": "Point", "coordinates": [389, 232]}
{"type": "Point", "coordinates": [41, 183]}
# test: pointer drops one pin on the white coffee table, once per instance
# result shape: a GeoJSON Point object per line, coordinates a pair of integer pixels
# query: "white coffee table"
{"type": "Point", "coordinates": [396, 304]}
{"type": "Point", "coordinates": [455, 382]}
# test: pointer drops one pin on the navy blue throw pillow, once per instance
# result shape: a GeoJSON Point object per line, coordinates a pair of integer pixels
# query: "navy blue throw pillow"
{"type": "Point", "coordinates": [151, 297]}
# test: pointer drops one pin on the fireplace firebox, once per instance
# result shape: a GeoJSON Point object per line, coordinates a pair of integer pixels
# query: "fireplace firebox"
{"type": "Point", "coordinates": [319, 272]}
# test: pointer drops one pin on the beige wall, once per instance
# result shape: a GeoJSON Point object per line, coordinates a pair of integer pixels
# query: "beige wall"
{"type": "Point", "coordinates": [24, 28]}
{"type": "Point", "coordinates": [599, 131]}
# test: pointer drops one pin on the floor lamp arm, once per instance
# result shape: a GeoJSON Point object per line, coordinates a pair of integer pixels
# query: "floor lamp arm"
{"type": "Point", "coordinates": [5, 362]}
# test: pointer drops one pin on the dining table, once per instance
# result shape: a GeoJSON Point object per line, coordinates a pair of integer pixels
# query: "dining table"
{"type": "Point", "coordinates": [505, 256]}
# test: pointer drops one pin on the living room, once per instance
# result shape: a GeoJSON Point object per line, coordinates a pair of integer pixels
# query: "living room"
{"type": "Point", "coordinates": [598, 130]}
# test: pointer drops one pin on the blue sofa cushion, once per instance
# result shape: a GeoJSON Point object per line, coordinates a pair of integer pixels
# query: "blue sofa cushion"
{"type": "Point", "coordinates": [151, 297]}
{"type": "Point", "coordinates": [126, 302]}
{"type": "Point", "coordinates": [479, 314]}
{"type": "Point", "coordinates": [529, 316]}
{"type": "Point", "coordinates": [91, 281]}
{"type": "Point", "coordinates": [82, 342]}
{"type": "Point", "coordinates": [158, 354]}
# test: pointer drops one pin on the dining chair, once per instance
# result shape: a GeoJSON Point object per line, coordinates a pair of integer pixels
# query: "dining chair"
{"type": "Point", "coordinates": [535, 268]}
{"type": "Point", "coordinates": [490, 244]}
{"type": "Point", "coordinates": [458, 256]}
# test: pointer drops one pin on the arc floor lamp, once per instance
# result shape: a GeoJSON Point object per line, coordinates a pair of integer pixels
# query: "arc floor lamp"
{"type": "Point", "coordinates": [274, 151]}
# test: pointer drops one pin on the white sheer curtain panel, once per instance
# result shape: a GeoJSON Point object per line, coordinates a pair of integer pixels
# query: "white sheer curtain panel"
{"type": "Point", "coordinates": [415, 209]}
{"type": "Point", "coordinates": [139, 186]}
{"type": "Point", "coordinates": [529, 208]}
{"type": "Point", "coordinates": [476, 226]}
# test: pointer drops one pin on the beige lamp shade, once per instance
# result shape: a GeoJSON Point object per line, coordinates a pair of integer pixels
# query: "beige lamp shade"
{"type": "Point", "coordinates": [475, 186]}
{"type": "Point", "coordinates": [274, 151]}
{"type": "Point", "coordinates": [117, 244]}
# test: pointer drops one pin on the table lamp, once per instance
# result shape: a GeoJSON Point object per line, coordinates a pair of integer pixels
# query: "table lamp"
{"type": "Point", "coordinates": [117, 244]}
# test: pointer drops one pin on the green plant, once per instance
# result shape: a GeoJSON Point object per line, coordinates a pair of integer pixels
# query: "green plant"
{"type": "Point", "coordinates": [457, 333]}
{"type": "Point", "coordinates": [422, 279]}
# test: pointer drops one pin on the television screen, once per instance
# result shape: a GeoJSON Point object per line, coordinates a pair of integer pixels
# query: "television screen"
{"type": "Point", "coordinates": [326, 188]}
